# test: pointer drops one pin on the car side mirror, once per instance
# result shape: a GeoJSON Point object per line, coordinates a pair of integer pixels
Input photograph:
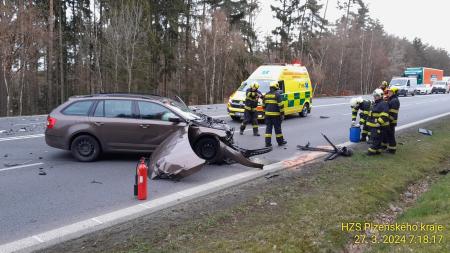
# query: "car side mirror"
{"type": "Point", "coordinates": [175, 120]}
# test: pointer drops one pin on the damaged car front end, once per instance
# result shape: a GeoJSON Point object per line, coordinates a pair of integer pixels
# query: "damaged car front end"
{"type": "Point", "coordinates": [203, 140]}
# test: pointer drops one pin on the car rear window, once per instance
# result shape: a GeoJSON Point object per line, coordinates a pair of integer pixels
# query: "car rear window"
{"type": "Point", "coordinates": [80, 108]}
{"type": "Point", "coordinates": [118, 108]}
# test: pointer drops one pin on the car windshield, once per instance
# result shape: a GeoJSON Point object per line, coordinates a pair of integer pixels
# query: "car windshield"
{"type": "Point", "coordinates": [182, 110]}
{"type": "Point", "coordinates": [439, 83]}
{"type": "Point", "coordinates": [398, 82]}
{"type": "Point", "coordinates": [263, 85]}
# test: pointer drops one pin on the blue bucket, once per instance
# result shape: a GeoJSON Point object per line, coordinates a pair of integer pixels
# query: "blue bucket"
{"type": "Point", "coordinates": [355, 133]}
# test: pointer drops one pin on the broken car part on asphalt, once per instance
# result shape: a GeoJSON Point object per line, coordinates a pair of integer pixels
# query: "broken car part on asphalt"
{"type": "Point", "coordinates": [203, 140]}
{"type": "Point", "coordinates": [335, 152]}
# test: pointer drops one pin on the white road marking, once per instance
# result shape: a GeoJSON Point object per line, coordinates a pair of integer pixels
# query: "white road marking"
{"type": "Point", "coordinates": [97, 220]}
{"type": "Point", "coordinates": [219, 116]}
{"type": "Point", "coordinates": [38, 239]}
{"type": "Point", "coordinates": [21, 166]}
{"type": "Point", "coordinates": [315, 106]}
{"type": "Point", "coordinates": [21, 137]}
{"type": "Point", "coordinates": [250, 129]}
{"type": "Point", "coordinates": [40, 123]}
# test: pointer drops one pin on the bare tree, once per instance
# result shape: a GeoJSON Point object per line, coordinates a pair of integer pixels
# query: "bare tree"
{"type": "Point", "coordinates": [113, 40]}
{"type": "Point", "coordinates": [130, 28]}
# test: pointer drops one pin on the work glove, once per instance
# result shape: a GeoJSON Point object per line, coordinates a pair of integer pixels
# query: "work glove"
{"type": "Point", "coordinates": [282, 117]}
{"type": "Point", "coordinates": [353, 123]}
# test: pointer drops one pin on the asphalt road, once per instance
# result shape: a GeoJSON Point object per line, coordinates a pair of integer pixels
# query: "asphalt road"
{"type": "Point", "coordinates": [71, 191]}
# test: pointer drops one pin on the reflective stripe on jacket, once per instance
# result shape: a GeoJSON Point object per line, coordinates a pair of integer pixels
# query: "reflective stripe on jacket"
{"type": "Point", "coordinates": [273, 104]}
{"type": "Point", "coordinates": [394, 107]}
{"type": "Point", "coordinates": [379, 116]}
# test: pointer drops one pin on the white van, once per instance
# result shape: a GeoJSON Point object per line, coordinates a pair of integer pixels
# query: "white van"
{"type": "Point", "coordinates": [406, 85]}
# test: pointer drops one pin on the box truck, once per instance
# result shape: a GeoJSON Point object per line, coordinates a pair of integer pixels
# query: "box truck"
{"type": "Point", "coordinates": [424, 75]}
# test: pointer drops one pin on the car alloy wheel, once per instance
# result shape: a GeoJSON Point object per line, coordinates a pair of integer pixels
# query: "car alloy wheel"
{"type": "Point", "coordinates": [85, 148]}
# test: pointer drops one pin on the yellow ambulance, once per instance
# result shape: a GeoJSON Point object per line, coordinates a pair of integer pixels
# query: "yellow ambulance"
{"type": "Point", "coordinates": [295, 87]}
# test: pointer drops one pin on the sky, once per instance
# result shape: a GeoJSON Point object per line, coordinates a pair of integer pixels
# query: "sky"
{"type": "Point", "coordinates": [426, 19]}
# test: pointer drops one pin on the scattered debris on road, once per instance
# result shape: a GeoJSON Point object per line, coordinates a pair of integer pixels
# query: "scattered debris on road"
{"type": "Point", "coordinates": [335, 152]}
{"type": "Point", "coordinates": [96, 182]}
{"type": "Point", "coordinates": [42, 172]}
{"type": "Point", "coordinates": [6, 155]}
{"type": "Point", "coordinates": [324, 117]}
{"type": "Point", "coordinates": [425, 131]}
{"type": "Point", "coordinates": [23, 129]}
{"type": "Point", "coordinates": [3, 131]}
{"type": "Point", "coordinates": [269, 176]}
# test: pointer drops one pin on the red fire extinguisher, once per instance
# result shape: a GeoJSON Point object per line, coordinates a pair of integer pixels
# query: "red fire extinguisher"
{"type": "Point", "coordinates": [140, 186]}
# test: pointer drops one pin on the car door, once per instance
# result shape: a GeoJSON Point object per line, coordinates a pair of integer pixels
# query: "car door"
{"type": "Point", "coordinates": [116, 124]}
{"type": "Point", "coordinates": [155, 124]}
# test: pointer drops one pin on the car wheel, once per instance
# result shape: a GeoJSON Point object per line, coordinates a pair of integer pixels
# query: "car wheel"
{"type": "Point", "coordinates": [236, 118]}
{"type": "Point", "coordinates": [85, 148]}
{"type": "Point", "coordinates": [304, 112]}
{"type": "Point", "coordinates": [207, 148]}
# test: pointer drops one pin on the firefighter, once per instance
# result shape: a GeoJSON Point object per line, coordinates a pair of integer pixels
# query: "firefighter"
{"type": "Point", "coordinates": [394, 107]}
{"type": "Point", "coordinates": [384, 87]}
{"type": "Point", "coordinates": [362, 105]}
{"type": "Point", "coordinates": [274, 114]}
{"type": "Point", "coordinates": [378, 121]}
{"type": "Point", "coordinates": [250, 104]}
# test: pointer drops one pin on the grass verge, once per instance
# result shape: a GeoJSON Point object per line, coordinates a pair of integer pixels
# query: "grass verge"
{"type": "Point", "coordinates": [433, 207]}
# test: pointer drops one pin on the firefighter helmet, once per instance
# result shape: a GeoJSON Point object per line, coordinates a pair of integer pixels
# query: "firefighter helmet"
{"type": "Point", "coordinates": [274, 84]}
{"type": "Point", "coordinates": [384, 84]}
{"type": "Point", "coordinates": [393, 89]}
{"type": "Point", "coordinates": [378, 93]}
{"type": "Point", "coordinates": [355, 101]}
{"type": "Point", "coordinates": [255, 86]}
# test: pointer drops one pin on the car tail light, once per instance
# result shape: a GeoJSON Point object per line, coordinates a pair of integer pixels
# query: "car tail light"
{"type": "Point", "coordinates": [50, 122]}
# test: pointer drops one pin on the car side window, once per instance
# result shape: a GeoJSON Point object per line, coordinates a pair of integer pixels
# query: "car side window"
{"type": "Point", "coordinates": [100, 109]}
{"type": "Point", "coordinates": [118, 108]}
{"type": "Point", "coordinates": [154, 111]}
{"type": "Point", "coordinates": [80, 108]}
{"type": "Point", "coordinates": [408, 83]}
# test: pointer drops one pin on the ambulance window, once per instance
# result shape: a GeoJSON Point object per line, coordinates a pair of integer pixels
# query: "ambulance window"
{"type": "Point", "coordinates": [281, 83]}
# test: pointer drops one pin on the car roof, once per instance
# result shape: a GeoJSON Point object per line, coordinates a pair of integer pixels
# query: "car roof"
{"type": "Point", "coordinates": [120, 95]}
